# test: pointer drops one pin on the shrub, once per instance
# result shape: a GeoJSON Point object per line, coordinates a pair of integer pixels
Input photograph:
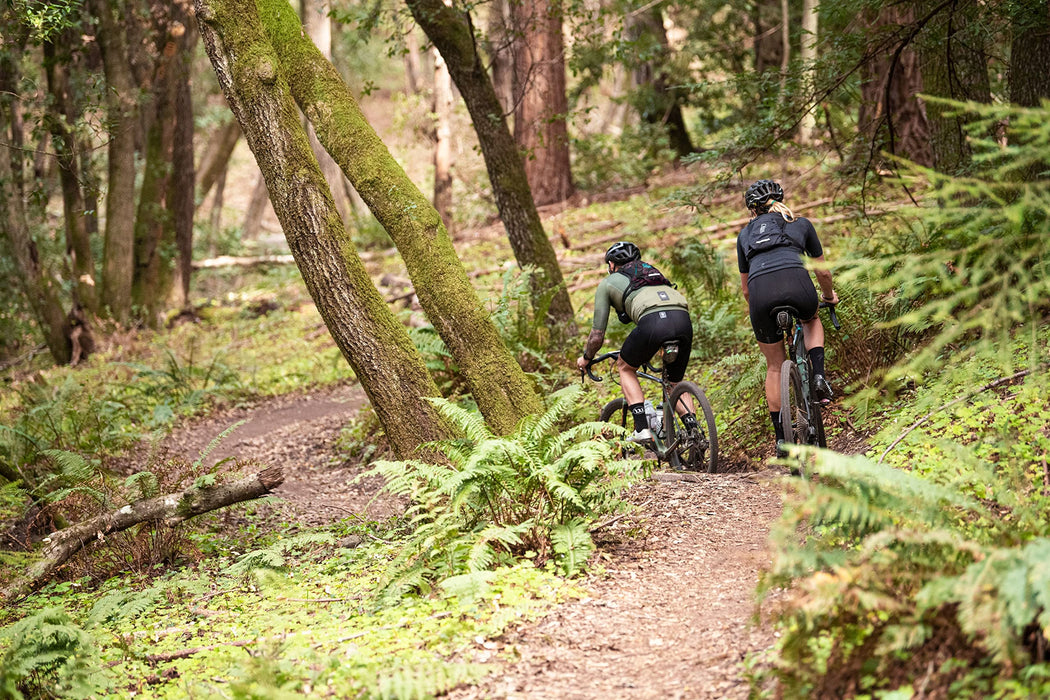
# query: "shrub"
{"type": "Point", "coordinates": [532, 493]}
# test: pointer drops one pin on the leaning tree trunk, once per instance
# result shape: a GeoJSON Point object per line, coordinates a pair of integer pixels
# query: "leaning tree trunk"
{"type": "Point", "coordinates": [541, 105]}
{"type": "Point", "coordinates": [118, 257]}
{"type": "Point", "coordinates": [372, 340]}
{"type": "Point", "coordinates": [452, 33]}
{"type": "Point", "coordinates": [216, 157]}
{"type": "Point", "coordinates": [66, 113]}
{"type": "Point", "coordinates": [954, 66]}
{"type": "Point", "coordinates": [502, 390]}
{"type": "Point", "coordinates": [170, 510]}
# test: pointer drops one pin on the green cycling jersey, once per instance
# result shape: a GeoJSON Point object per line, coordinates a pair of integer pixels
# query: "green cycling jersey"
{"type": "Point", "coordinates": [641, 303]}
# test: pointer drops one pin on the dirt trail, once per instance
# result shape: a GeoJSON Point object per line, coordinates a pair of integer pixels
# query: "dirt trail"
{"type": "Point", "coordinates": [669, 617]}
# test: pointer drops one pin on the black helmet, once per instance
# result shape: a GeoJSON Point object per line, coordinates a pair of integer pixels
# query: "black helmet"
{"type": "Point", "coordinates": [761, 192]}
{"type": "Point", "coordinates": [622, 252]}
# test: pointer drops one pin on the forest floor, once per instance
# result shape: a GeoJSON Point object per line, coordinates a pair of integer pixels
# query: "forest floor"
{"type": "Point", "coordinates": [669, 610]}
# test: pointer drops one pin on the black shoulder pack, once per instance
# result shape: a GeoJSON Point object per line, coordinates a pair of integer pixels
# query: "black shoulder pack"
{"type": "Point", "coordinates": [641, 274]}
{"type": "Point", "coordinates": [764, 233]}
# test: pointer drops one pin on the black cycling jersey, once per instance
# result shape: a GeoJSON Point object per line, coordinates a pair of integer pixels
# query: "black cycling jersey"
{"type": "Point", "coordinates": [798, 237]}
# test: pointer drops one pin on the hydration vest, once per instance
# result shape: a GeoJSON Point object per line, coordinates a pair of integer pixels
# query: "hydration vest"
{"type": "Point", "coordinates": [640, 274]}
{"type": "Point", "coordinates": [765, 232]}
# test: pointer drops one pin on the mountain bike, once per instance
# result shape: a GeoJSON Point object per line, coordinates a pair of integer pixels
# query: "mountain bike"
{"type": "Point", "coordinates": [799, 408]}
{"type": "Point", "coordinates": [682, 449]}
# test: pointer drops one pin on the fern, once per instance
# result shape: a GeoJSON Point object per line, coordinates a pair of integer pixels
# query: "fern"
{"type": "Point", "coordinates": [422, 681]}
{"type": "Point", "coordinates": [500, 497]}
{"type": "Point", "coordinates": [48, 654]}
{"type": "Point", "coordinates": [573, 544]}
{"type": "Point", "coordinates": [274, 557]}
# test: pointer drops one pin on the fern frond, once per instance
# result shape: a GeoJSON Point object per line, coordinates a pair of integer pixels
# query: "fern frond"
{"type": "Point", "coordinates": [215, 443]}
{"type": "Point", "coordinates": [573, 545]}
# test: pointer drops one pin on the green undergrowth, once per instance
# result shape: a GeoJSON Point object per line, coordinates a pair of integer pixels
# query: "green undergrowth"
{"type": "Point", "coordinates": [295, 616]}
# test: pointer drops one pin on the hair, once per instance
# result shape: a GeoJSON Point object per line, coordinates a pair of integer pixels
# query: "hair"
{"type": "Point", "coordinates": [779, 207]}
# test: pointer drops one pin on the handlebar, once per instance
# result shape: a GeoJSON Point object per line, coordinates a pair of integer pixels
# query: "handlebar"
{"type": "Point", "coordinates": [595, 360]}
{"type": "Point", "coordinates": [831, 313]}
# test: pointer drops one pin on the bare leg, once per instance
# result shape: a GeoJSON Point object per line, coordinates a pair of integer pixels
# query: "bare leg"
{"type": "Point", "coordinates": [814, 330]}
{"type": "Point", "coordinates": [632, 388]}
{"type": "Point", "coordinates": [775, 356]}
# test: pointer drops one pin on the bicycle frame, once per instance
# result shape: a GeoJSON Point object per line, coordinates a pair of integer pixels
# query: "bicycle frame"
{"type": "Point", "coordinates": [662, 450]}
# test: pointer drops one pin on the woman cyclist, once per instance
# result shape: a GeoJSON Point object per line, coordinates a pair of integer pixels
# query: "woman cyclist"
{"type": "Point", "coordinates": [769, 255]}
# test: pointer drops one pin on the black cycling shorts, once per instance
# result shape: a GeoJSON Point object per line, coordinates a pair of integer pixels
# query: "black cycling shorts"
{"type": "Point", "coordinates": [652, 331]}
{"type": "Point", "coordinates": [789, 287]}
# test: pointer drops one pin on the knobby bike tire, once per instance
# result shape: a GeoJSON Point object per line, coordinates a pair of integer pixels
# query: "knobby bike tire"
{"type": "Point", "coordinates": [701, 453]}
{"type": "Point", "coordinates": [615, 412]}
{"type": "Point", "coordinates": [795, 412]}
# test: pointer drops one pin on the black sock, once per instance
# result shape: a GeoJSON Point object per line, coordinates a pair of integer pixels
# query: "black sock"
{"type": "Point", "coordinates": [638, 412]}
{"type": "Point", "coordinates": [778, 427]}
{"type": "Point", "coordinates": [816, 360]}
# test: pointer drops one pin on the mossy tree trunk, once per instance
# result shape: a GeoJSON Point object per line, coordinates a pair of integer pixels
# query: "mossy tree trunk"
{"type": "Point", "coordinates": [453, 35]}
{"type": "Point", "coordinates": [375, 344]}
{"type": "Point", "coordinates": [503, 392]}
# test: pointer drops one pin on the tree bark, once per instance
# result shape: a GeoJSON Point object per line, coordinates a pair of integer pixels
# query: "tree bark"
{"type": "Point", "coordinates": [217, 157]}
{"type": "Point", "coordinates": [39, 287]}
{"type": "Point", "coordinates": [118, 259]}
{"type": "Point", "coordinates": [1030, 63]}
{"type": "Point", "coordinates": [807, 133]}
{"type": "Point", "coordinates": [372, 340]}
{"type": "Point", "coordinates": [453, 35]}
{"type": "Point", "coordinates": [319, 28]}
{"type": "Point", "coordinates": [65, 115]}
{"type": "Point", "coordinates": [954, 66]}
{"type": "Point", "coordinates": [541, 105]}
{"type": "Point", "coordinates": [183, 204]}
{"type": "Point", "coordinates": [657, 101]}
{"type": "Point", "coordinates": [442, 141]}
{"type": "Point", "coordinates": [891, 116]}
{"type": "Point", "coordinates": [503, 392]}
{"type": "Point", "coordinates": [169, 509]}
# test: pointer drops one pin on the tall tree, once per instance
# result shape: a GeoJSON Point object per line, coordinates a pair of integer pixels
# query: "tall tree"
{"type": "Point", "coordinates": [890, 115]}
{"type": "Point", "coordinates": [658, 100]}
{"type": "Point", "coordinates": [954, 66]}
{"type": "Point", "coordinates": [442, 140]}
{"type": "Point", "coordinates": [499, 386]}
{"type": "Point", "coordinates": [118, 261]}
{"type": "Point", "coordinates": [318, 27]}
{"type": "Point", "coordinates": [1030, 52]}
{"type": "Point", "coordinates": [808, 54]}
{"type": "Point", "coordinates": [541, 105]}
{"type": "Point", "coordinates": [375, 344]}
{"type": "Point", "coordinates": [452, 32]}
{"type": "Point", "coordinates": [66, 336]}
{"type": "Point", "coordinates": [62, 121]}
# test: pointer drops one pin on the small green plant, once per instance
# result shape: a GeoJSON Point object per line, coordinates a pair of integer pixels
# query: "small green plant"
{"type": "Point", "coordinates": [501, 497]}
{"type": "Point", "coordinates": [47, 655]}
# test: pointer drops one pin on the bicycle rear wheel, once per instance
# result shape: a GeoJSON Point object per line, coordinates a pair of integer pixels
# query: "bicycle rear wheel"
{"type": "Point", "coordinates": [800, 418]}
{"type": "Point", "coordinates": [699, 451]}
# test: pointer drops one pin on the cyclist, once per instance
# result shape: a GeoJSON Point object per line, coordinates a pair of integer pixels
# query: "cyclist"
{"type": "Point", "coordinates": [769, 256]}
{"type": "Point", "coordinates": [640, 294]}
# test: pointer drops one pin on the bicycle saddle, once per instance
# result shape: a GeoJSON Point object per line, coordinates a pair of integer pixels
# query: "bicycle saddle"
{"type": "Point", "coordinates": [783, 315]}
{"type": "Point", "coordinates": [670, 348]}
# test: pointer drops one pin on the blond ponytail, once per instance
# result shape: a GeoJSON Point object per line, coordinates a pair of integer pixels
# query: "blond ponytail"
{"type": "Point", "coordinates": [782, 209]}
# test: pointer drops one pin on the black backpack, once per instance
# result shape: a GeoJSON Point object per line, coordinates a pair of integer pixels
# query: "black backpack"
{"type": "Point", "coordinates": [765, 232]}
{"type": "Point", "coordinates": [641, 274]}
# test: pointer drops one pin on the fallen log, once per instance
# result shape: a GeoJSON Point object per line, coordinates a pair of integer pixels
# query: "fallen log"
{"type": "Point", "coordinates": [169, 509]}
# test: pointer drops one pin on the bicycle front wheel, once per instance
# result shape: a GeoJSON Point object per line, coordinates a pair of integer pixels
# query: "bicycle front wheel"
{"type": "Point", "coordinates": [616, 412]}
{"type": "Point", "coordinates": [799, 417]}
{"type": "Point", "coordinates": [697, 451]}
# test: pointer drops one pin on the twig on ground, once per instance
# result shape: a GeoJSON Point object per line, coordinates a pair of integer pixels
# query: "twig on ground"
{"type": "Point", "coordinates": [964, 397]}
